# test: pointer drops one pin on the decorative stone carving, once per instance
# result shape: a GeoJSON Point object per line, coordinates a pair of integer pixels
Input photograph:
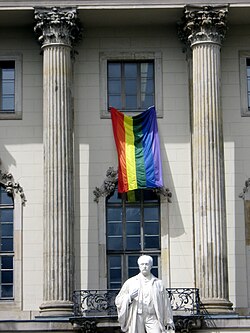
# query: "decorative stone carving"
{"type": "Point", "coordinates": [110, 183]}
{"type": "Point", "coordinates": [245, 189]}
{"type": "Point", "coordinates": [57, 25]}
{"type": "Point", "coordinates": [12, 187]}
{"type": "Point", "coordinates": [202, 24]}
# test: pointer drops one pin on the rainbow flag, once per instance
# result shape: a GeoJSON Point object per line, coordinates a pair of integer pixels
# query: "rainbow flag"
{"type": "Point", "coordinates": [138, 148]}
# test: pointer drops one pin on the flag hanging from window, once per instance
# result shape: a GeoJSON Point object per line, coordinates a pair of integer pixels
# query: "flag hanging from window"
{"type": "Point", "coordinates": [138, 148]}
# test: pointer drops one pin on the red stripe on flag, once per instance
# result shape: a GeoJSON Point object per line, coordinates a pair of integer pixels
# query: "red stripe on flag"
{"type": "Point", "coordinates": [119, 135]}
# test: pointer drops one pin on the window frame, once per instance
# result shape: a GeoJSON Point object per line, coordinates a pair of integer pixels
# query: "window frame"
{"type": "Point", "coordinates": [7, 253]}
{"type": "Point", "coordinates": [15, 303]}
{"type": "Point", "coordinates": [17, 114]}
{"type": "Point", "coordinates": [155, 57]}
{"type": "Point", "coordinates": [124, 205]}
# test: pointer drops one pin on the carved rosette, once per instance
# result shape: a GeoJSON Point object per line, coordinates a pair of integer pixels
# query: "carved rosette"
{"type": "Point", "coordinates": [11, 186]}
{"type": "Point", "coordinates": [110, 183]}
{"type": "Point", "coordinates": [204, 24]}
{"type": "Point", "coordinates": [57, 26]}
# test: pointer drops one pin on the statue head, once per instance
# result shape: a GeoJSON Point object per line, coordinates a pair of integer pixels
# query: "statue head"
{"type": "Point", "coordinates": [145, 264]}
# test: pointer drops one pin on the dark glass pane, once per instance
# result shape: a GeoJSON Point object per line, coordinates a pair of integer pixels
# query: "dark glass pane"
{"type": "Point", "coordinates": [147, 70]}
{"type": "Point", "coordinates": [114, 70]}
{"type": "Point", "coordinates": [151, 242]}
{"type": "Point", "coordinates": [115, 243]}
{"type": "Point", "coordinates": [115, 101]}
{"type": "Point", "coordinates": [7, 291]}
{"type": "Point", "coordinates": [114, 214]}
{"type": "Point", "coordinates": [6, 215]}
{"type": "Point", "coordinates": [115, 275]}
{"type": "Point", "coordinates": [133, 228]}
{"type": "Point", "coordinates": [150, 196]}
{"type": "Point", "coordinates": [5, 198]}
{"type": "Point", "coordinates": [133, 214]}
{"type": "Point", "coordinates": [115, 197]}
{"type": "Point", "coordinates": [147, 87]}
{"type": "Point", "coordinates": [133, 265]}
{"type": "Point", "coordinates": [7, 229]}
{"type": "Point", "coordinates": [115, 285]}
{"type": "Point", "coordinates": [8, 88]}
{"type": "Point", "coordinates": [131, 87]}
{"type": "Point", "coordinates": [151, 213]}
{"type": "Point", "coordinates": [7, 276]}
{"type": "Point", "coordinates": [114, 229]}
{"type": "Point", "coordinates": [133, 243]}
{"type": "Point", "coordinates": [7, 262]}
{"type": "Point", "coordinates": [248, 71]}
{"type": "Point", "coordinates": [133, 272]}
{"type": "Point", "coordinates": [132, 261]}
{"type": "Point", "coordinates": [131, 102]}
{"type": "Point", "coordinates": [6, 244]}
{"type": "Point", "coordinates": [115, 261]}
{"type": "Point", "coordinates": [151, 228]}
{"type": "Point", "coordinates": [8, 73]}
{"type": "Point", "coordinates": [114, 87]}
{"type": "Point", "coordinates": [8, 103]}
{"type": "Point", "coordinates": [147, 101]}
{"type": "Point", "coordinates": [248, 100]}
{"type": "Point", "coordinates": [154, 271]}
{"type": "Point", "coordinates": [130, 70]}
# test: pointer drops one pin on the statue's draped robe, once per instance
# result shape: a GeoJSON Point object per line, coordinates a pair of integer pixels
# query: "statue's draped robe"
{"type": "Point", "coordinates": [128, 311]}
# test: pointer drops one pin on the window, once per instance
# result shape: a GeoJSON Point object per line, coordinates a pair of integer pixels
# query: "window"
{"type": "Point", "coordinates": [133, 228]}
{"type": "Point", "coordinates": [131, 85]}
{"type": "Point", "coordinates": [10, 87]}
{"type": "Point", "coordinates": [130, 82]}
{"type": "Point", "coordinates": [6, 245]}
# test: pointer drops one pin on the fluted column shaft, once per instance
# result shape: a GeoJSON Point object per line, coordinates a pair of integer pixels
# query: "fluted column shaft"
{"type": "Point", "coordinates": [205, 28]}
{"type": "Point", "coordinates": [208, 177]}
{"type": "Point", "coordinates": [58, 173]}
{"type": "Point", "coordinates": [54, 27]}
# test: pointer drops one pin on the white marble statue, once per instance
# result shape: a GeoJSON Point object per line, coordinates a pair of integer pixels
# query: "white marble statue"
{"type": "Point", "coordinates": [143, 304]}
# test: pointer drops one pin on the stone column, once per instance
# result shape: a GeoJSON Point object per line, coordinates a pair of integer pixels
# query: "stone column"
{"type": "Point", "coordinates": [204, 29]}
{"type": "Point", "coordinates": [57, 30]}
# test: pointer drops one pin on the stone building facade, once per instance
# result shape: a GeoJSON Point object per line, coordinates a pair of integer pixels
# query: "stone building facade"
{"type": "Point", "coordinates": [58, 62]}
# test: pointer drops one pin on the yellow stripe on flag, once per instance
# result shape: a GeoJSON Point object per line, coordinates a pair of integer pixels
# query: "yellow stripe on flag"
{"type": "Point", "coordinates": [130, 153]}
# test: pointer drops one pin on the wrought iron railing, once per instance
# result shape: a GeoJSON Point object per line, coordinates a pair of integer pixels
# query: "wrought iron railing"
{"type": "Point", "coordinates": [101, 303]}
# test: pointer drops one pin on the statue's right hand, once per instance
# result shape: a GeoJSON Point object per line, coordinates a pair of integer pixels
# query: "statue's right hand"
{"type": "Point", "coordinates": [134, 294]}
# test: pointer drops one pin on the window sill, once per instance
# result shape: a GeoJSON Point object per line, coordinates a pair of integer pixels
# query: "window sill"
{"type": "Point", "coordinates": [11, 115]}
{"type": "Point", "coordinates": [105, 114]}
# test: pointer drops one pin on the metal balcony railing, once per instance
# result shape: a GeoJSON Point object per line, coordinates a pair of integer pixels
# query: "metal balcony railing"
{"type": "Point", "coordinates": [101, 303]}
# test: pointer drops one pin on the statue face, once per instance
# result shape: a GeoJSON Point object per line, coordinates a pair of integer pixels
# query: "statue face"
{"type": "Point", "coordinates": [145, 267]}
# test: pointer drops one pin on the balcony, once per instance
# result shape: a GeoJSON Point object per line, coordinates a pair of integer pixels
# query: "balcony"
{"type": "Point", "coordinates": [95, 310]}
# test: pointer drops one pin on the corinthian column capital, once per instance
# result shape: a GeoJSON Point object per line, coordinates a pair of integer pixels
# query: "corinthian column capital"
{"type": "Point", "coordinates": [57, 26]}
{"type": "Point", "coordinates": [203, 24]}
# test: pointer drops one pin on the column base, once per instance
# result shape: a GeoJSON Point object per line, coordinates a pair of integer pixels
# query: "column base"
{"type": "Point", "coordinates": [215, 306]}
{"type": "Point", "coordinates": [57, 309]}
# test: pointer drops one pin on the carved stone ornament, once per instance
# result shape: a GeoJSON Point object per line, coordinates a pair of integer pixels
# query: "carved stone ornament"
{"type": "Point", "coordinates": [245, 189]}
{"type": "Point", "coordinates": [11, 186]}
{"type": "Point", "coordinates": [203, 24]}
{"type": "Point", "coordinates": [57, 26]}
{"type": "Point", "coordinates": [110, 183]}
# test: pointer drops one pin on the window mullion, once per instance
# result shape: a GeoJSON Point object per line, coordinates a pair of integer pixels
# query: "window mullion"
{"type": "Point", "coordinates": [139, 106]}
{"type": "Point", "coordinates": [123, 91]}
